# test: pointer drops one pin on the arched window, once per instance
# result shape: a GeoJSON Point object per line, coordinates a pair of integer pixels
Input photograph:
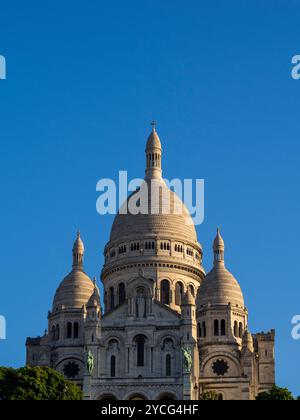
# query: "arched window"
{"type": "Point", "coordinates": [178, 293]}
{"type": "Point", "coordinates": [199, 330]}
{"type": "Point", "coordinates": [204, 329]}
{"type": "Point", "coordinates": [69, 330]}
{"type": "Point", "coordinates": [111, 298]}
{"type": "Point", "coordinates": [122, 293]}
{"type": "Point", "coordinates": [53, 333]}
{"type": "Point", "coordinates": [57, 332]}
{"type": "Point", "coordinates": [140, 350]}
{"type": "Point", "coordinates": [223, 327]}
{"type": "Point", "coordinates": [76, 330]}
{"type": "Point", "coordinates": [216, 328]}
{"type": "Point", "coordinates": [168, 365]}
{"type": "Point", "coordinates": [236, 329]}
{"type": "Point", "coordinates": [113, 366]}
{"type": "Point", "coordinates": [241, 330]}
{"type": "Point", "coordinates": [192, 290]}
{"type": "Point", "coordinates": [220, 397]}
{"type": "Point", "coordinates": [165, 292]}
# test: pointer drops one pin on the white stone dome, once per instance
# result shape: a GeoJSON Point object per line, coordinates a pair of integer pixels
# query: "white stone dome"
{"type": "Point", "coordinates": [74, 291]}
{"type": "Point", "coordinates": [76, 288]}
{"type": "Point", "coordinates": [171, 218]}
{"type": "Point", "coordinates": [219, 287]}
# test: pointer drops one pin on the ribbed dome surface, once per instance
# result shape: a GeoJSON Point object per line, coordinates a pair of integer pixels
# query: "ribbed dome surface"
{"type": "Point", "coordinates": [220, 288]}
{"type": "Point", "coordinates": [170, 217]}
{"type": "Point", "coordinates": [74, 291]}
{"type": "Point", "coordinates": [153, 141]}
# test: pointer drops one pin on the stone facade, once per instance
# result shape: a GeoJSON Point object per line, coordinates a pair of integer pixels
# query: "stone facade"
{"type": "Point", "coordinates": [168, 331]}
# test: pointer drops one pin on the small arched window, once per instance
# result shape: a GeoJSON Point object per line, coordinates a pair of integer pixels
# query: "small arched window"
{"type": "Point", "coordinates": [223, 327]}
{"type": "Point", "coordinates": [204, 329]}
{"type": "Point", "coordinates": [168, 365]}
{"type": "Point", "coordinates": [192, 290]}
{"type": "Point", "coordinates": [165, 292]}
{"type": "Point", "coordinates": [199, 330]}
{"type": "Point", "coordinates": [216, 328]}
{"type": "Point", "coordinates": [178, 293]}
{"type": "Point", "coordinates": [241, 330]}
{"type": "Point", "coordinates": [113, 366]}
{"type": "Point", "coordinates": [122, 293]}
{"type": "Point", "coordinates": [69, 330]}
{"type": "Point", "coordinates": [76, 330]}
{"type": "Point", "coordinates": [111, 298]}
{"type": "Point", "coordinates": [57, 332]}
{"type": "Point", "coordinates": [53, 333]}
{"type": "Point", "coordinates": [140, 347]}
{"type": "Point", "coordinates": [236, 329]}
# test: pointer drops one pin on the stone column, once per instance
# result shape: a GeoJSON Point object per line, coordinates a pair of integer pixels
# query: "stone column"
{"type": "Point", "coordinates": [87, 386]}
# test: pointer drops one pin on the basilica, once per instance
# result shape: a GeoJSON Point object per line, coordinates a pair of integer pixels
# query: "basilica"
{"type": "Point", "coordinates": [167, 330]}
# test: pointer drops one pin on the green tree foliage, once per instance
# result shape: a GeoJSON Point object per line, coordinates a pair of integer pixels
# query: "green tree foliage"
{"type": "Point", "coordinates": [39, 383]}
{"type": "Point", "coordinates": [276, 393]}
{"type": "Point", "coordinates": [209, 396]}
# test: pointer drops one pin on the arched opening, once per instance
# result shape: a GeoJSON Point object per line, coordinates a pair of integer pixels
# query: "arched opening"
{"type": "Point", "coordinates": [76, 330]}
{"type": "Point", "coordinates": [199, 330]}
{"type": "Point", "coordinates": [220, 397]}
{"type": "Point", "coordinates": [204, 329]}
{"type": "Point", "coordinates": [223, 327]}
{"type": "Point", "coordinates": [241, 330]}
{"type": "Point", "coordinates": [113, 366]}
{"type": "Point", "coordinates": [122, 293]}
{"type": "Point", "coordinates": [137, 397]}
{"type": "Point", "coordinates": [165, 292]}
{"type": "Point", "coordinates": [53, 333]}
{"type": "Point", "coordinates": [111, 298]}
{"type": "Point", "coordinates": [57, 332]}
{"type": "Point", "coordinates": [216, 328]}
{"type": "Point", "coordinates": [166, 397]}
{"type": "Point", "coordinates": [69, 330]}
{"type": "Point", "coordinates": [236, 329]}
{"type": "Point", "coordinates": [107, 397]}
{"type": "Point", "coordinates": [192, 290]}
{"type": "Point", "coordinates": [140, 341]}
{"type": "Point", "coordinates": [178, 293]}
{"type": "Point", "coordinates": [168, 365]}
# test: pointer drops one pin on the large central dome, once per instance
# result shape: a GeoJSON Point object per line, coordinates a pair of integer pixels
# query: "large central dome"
{"type": "Point", "coordinates": [170, 217]}
{"type": "Point", "coordinates": [162, 213]}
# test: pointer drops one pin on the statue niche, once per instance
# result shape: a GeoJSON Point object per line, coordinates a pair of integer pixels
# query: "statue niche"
{"type": "Point", "coordinates": [141, 303]}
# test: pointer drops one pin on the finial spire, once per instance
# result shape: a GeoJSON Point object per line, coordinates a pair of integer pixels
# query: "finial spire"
{"type": "Point", "coordinates": [153, 155]}
{"type": "Point", "coordinates": [78, 252]}
{"type": "Point", "coordinates": [219, 248]}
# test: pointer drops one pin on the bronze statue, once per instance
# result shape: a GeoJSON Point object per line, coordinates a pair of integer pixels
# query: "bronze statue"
{"type": "Point", "coordinates": [187, 359]}
{"type": "Point", "coordinates": [90, 362]}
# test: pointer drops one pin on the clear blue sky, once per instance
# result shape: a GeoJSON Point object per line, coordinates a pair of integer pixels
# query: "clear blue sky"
{"type": "Point", "coordinates": [84, 80]}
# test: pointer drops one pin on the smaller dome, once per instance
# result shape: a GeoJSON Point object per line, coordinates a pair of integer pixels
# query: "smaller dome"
{"type": "Point", "coordinates": [76, 288]}
{"type": "Point", "coordinates": [74, 291]}
{"type": "Point", "coordinates": [153, 141]}
{"type": "Point", "coordinates": [188, 298]}
{"type": "Point", "coordinates": [219, 287]}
